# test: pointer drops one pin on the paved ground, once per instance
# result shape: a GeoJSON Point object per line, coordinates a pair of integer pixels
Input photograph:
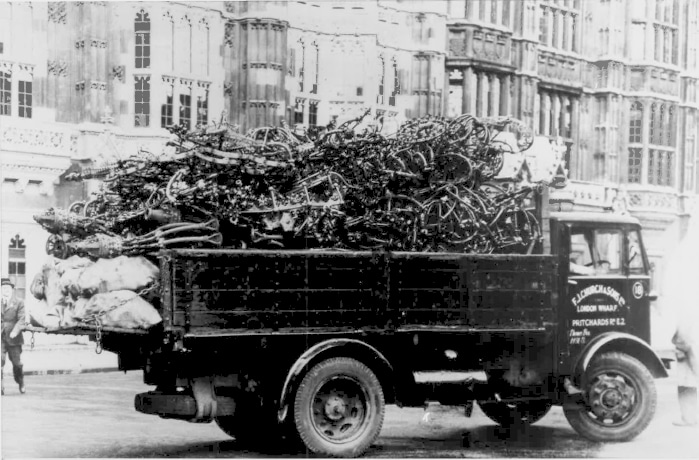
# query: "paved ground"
{"type": "Point", "coordinates": [66, 358]}
{"type": "Point", "coordinates": [92, 415]}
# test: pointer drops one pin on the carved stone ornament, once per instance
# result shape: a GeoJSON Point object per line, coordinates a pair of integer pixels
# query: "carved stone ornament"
{"type": "Point", "coordinates": [57, 12]}
{"type": "Point", "coordinates": [118, 72]}
{"type": "Point", "coordinates": [58, 68]}
{"type": "Point", "coordinates": [229, 34]}
{"type": "Point", "coordinates": [228, 88]}
{"type": "Point", "coordinates": [80, 44]}
{"type": "Point", "coordinates": [96, 43]}
{"type": "Point", "coordinates": [80, 85]}
{"type": "Point", "coordinates": [100, 85]}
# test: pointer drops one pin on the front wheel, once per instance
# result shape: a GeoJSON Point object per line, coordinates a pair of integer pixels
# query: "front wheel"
{"type": "Point", "coordinates": [339, 408]}
{"type": "Point", "coordinates": [519, 413]}
{"type": "Point", "coordinates": [620, 399]}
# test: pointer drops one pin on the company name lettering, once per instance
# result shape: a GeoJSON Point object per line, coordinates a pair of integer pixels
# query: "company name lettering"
{"type": "Point", "coordinates": [599, 289]}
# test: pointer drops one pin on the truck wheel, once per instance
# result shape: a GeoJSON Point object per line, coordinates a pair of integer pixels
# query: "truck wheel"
{"type": "Point", "coordinates": [508, 414]}
{"type": "Point", "coordinates": [620, 399]}
{"type": "Point", "coordinates": [339, 408]}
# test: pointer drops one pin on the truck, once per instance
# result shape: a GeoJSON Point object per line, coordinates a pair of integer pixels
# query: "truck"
{"type": "Point", "coordinates": [312, 345]}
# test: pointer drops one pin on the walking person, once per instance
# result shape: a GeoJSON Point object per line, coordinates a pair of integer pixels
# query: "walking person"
{"type": "Point", "coordinates": [13, 322]}
{"type": "Point", "coordinates": [681, 300]}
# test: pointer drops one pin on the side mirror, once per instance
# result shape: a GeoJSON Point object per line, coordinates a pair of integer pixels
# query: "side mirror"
{"type": "Point", "coordinates": [652, 295]}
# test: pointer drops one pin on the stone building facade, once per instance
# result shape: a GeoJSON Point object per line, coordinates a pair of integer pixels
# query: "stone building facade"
{"type": "Point", "coordinates": [614, 81]}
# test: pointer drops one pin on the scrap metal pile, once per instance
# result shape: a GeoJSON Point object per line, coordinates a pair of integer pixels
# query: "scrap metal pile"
{"type": "Point", "coordinates": [426, 187]}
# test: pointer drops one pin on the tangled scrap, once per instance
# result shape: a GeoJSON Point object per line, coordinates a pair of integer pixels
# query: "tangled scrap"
{"type": "Point", "coordinates": [426, 187]}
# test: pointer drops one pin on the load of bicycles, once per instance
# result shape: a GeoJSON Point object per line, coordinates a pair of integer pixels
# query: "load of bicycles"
{"type": "Point", "coordinates": [428, 186]}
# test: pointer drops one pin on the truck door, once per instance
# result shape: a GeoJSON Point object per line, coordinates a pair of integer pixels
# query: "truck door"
{"type": "Point", "coordinates": [638, 286]}
{"type": "Point", "coordinates": [597, 286]}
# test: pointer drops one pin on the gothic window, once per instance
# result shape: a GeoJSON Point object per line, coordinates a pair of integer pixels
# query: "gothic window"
{"type": "Point", "coordinates": [203, 109]}
{"type": "Point", "coordinates": [313, 113]}
{"type": "Point", "coordinates": [481, 10]}
{"type": "Point", "coordinates": [382, 78]}
{"type": "Point", "coordinates": [505, 12]}
{"type": "Point", "coordinates": [142, 30]}
{"type": "Point", "coordinates": [544, 26]}
{"type": "Point", "coordinates": [314, 90]}
{"type": "Point", "coordinates": [298, 112]}
{"type": "Point", "coordinates": [302, 68]}
{"type": "Point", "coordinates": [558, 23]}
{"type": "Point", "coordinates": [167, 110]}
{"type": "Point", "coordinates": [16, 269]}
{"type": "Point", "coordinates": [142, 101]}
{"type": "Point", "coordinates": [5, 93]}
{"type": "Point", "coordinates": [635, 122]}
{"type": "Point", "coordinates": [186, 110]}
{"type": "Point", "coordinates": [396, 85]}
{"type": "Point", "coordinates": [635, 165]}
{"type": "Point", "coordinates": [652, 161]}
{"type": "Point", "coordinates": [653, 123]}
{"type": "Point", "coordinates": [25, 99]}
{"type": "Point", "coordinates": [671, 129]}
{"type": "Point", "coordinates": [494, 11]}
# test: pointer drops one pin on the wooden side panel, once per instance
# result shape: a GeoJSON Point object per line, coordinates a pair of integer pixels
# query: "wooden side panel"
{"type": "Point", "coordinates": [296, 291]}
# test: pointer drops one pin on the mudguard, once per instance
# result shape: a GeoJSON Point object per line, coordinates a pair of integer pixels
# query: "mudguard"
{"type": "Point", "coordinates": [297, 370]}
{"type": "Point", "coordinates": [624, 343]}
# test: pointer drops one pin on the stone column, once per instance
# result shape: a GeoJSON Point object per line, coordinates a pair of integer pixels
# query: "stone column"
{"type": "Point", "coordinates": [479, 93]}
{"type": "Point", "coordinates": [546, 107]}
{"type": "Point", "coordinates": [563, 110]}
{"type": "Point", "coordinates": [467, 92]}
{"type": "Point", "coordinates": [505, 82]}
{"type": "Point", "coordinates": [493, 85]}
{"type": "Point", "coordinates": [575, 135]}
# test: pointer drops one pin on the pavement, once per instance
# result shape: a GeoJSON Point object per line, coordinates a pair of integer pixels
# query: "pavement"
{"type": "Point", "coordinates": [74, 358]}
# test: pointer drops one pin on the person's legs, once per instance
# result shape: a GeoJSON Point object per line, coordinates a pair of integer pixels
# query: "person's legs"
{"type": "Point", "coordinates": [15, 353]}
{"type": "Point", "coordinates": [687, 397]}
{"type": "Point", "coordinates": [2, 369]}
{"type": "Point", "coordinates": [686, 393]}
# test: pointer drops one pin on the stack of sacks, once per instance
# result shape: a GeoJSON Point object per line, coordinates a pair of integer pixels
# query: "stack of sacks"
{"type": "Point", "coordinates": [76, 289]}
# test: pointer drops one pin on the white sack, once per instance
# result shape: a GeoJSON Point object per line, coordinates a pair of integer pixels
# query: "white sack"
{"type": "Point", "coordinates": [120, 273]}
{"type": "Point", "coordinates": [125, 309]}
{"type": "Point", "coordinates": [40, 314]}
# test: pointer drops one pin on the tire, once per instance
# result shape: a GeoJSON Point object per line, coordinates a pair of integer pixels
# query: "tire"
{"type": "Point", "coordinates": [521, 413]}
{"type": "Point", "coordinates": [339, 408]}
{"type": "Point", "coordinates": [620, 399]}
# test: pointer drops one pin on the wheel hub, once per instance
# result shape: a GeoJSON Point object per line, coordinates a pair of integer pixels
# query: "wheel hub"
{"type": "Point", "coordinates": [611, 398]}
{"type": "Point", "coordinates": [335, 408]}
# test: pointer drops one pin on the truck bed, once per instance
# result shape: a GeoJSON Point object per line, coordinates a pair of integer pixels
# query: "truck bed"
{"type": "Point", "coordinates": [243, 292]}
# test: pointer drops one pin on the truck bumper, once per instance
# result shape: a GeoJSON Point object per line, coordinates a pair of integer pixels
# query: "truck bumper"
{"type": "Point", "coordinates": [181, 406]}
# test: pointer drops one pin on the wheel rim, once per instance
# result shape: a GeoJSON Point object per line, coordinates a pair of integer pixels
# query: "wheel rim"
{"type": "Point", "coordinates": [339, 409]}
{"type": "Point", "coordinates": [613, 398]}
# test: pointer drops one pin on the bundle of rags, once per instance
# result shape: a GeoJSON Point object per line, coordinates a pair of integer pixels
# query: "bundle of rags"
{"type": "Point", "coordinates": [77, 290]}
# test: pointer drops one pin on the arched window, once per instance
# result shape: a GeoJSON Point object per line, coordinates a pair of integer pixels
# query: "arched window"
{"type": "Point", "coordinates": [653, 125]}
{"type": "Point", "coordinates": [670, 135]}
{"type": "Point", "coordinates": [17, 267]}
{"type": "Point", "coordinates": [302, 70]}
{"type": "Point", "coordinates": [382, 78]}
{"type": "Point", "coordinates": [635, 122]}
{"type": "Point", "coordinates": [661, 126]}
{"type": "Point", "coordinates": [142, 30]}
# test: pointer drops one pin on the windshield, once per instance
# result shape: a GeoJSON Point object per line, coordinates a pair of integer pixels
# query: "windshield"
{"type": "Point", "coordinates": [595, 251]}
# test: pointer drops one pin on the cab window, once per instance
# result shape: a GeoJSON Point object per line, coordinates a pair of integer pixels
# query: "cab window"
{"type": "Point", "coordinates": [595, 252]}
{"type": "Point", "coordinates": [636, 264]}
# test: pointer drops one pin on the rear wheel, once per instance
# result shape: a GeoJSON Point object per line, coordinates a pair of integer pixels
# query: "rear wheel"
{"type": "Point", "coordinates": [620, 399]}
{"type": "Point", "coordinates": [339, 408]}
{"type": "Point", "coordinates": [522, 413]}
